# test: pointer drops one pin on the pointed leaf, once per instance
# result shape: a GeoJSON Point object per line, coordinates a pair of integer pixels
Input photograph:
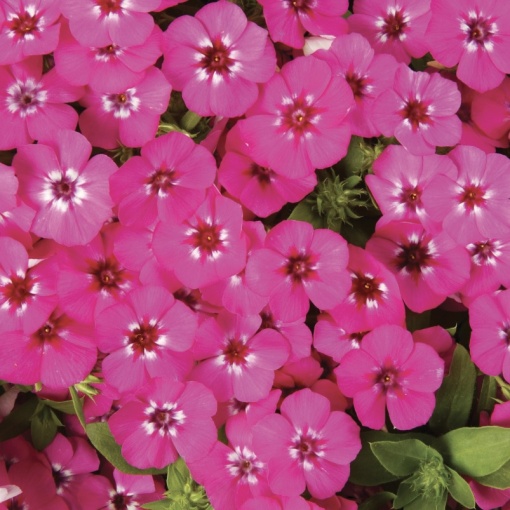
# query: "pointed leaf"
{"type": "Point", "coordinates": [402, 458]}
{"type": "Point", "coordinates": [406, 494]}
{"type": "Point", "coordinates": [460, 490]}
{"type": "Point", "coordinates": [486, 400]}
{"type": "Point", "coordinates": [177, 476]}
{"type": "Point", "coordinates": [78, 406]}
{"type": "Point", "coordinates": [163, 504]}
{"type": "Point", "coordinates": [43, 428]}
{"type": "Point", "coordinates": [429, 503]}
{"type": "Point", "coordinates": [499, 479]}
{"type": "Point", "coordinates": [65, 406]}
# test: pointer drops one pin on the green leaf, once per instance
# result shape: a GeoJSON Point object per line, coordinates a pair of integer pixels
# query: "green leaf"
{"type": "Point", "coordinates": [401, 458]}
{"type": "Point", "coordinates": [177, 475]}
{"type": "Point", "coordinates": [65, 406]}
{"type": "Point", "coordinates": [475, 451]}
{"type": "Point", "coordinates": [406, 494]}
{"type": "Point", "coordinates": [366, 469]}
{"type": "Point", "coordinates": [43, 427]}
{"type": "Point", "coordinates": [423, 502]}
{"type": "Point", "coordinates": [78, 407]}
{"type": "Point", "coordinates": [18, 420]}
{"type": "Point", "coordinates": [304, 212]}
{"type": "Point", "coordinates": [487, 394]}
{"type": "Point", "coordinates": [377, 501]}
{"type": "Point", "coordinates": [455, 396]}
{"type": "Point", "coordinates": [163, 504]}
{"type": "Point", "coordinates": [500, 479]}
{"type": "Point", "coordinates": [460, 490]}
{"type": "Point", "coordinates": [102, 439]}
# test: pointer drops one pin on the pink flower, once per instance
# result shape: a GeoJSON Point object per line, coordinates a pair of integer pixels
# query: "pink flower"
{"type": "Point", "coordinates": [299, 263]}
{"type": "Point", "coordinates": [97, 22]}
{"type": "Point", "coordinates": [205, 248]}
{"type": "Point", "coordinates": [398, 183]}
{"type": "Point", "coordinates": [145, 336]}
{"type": "Point", "coordinates": [427, 268]}
{"type": "Point", "coordinates": [352, 57]}
{"type": "Point", "coordinates": [299, 123]}
{"type": "Point", "coordinates": [394, 27]}
{"type": "Point", "coordinates": [255, 185]}
{"type": "Point", "coordinates": [69, 192]}
{"type": "Point", "coordinates": [489, 317]}
{"type": "Point", "coordinates": [307, 445]}
{"type": "Point", "coordinates": [126, 115]}
{"type": "Point", "coordinates": [164, 420]}
{"type": "Point", "coordinates": [32, 104]}
{"type": "Point", "coordinates": [167, 182]}
{"type": "Point", "coordinates": [474, 204]}
{"type": "Point", "coordinates": [476, 36]}
{"type": "Point", "coordinates": [237, 359]}
{"type": "Point", "coordinates": [391, 371]}
{"type": "Point", "coordinates": [419, 111]}
{"type": "Point", "coordinates": [60, 353]}
{"type": "Point", "coordinates": [287, 22]}
{"type": "Point", "coordinates": [217, 58]}
{"type": "Point", "coordinates": [27, 28]}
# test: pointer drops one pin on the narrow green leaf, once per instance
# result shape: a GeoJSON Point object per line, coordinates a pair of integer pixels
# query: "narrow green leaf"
{"type": "Point", "coordinates": [43, 428]}
{"type": "Point", "coordinates": [460, 490]}
{"type": "Point", "coordinates": [102, 439]}
{"type": "Point", "coordinates": [487, 395]}
{"type": "Point", "coordinates": [163, 504]}
{"type": "Point", "coordinates": [400, 458]}
{"type": "Point", "coordinates": [500, 479]}
{"type": "Point", "coordinates": [177, 476]}
{"type": "Point", "coordinates": [18, 420]}
{"type": "Point", "coordinates": [65, 406]}
{"type": "Point", "coordinates": [475, 451]}
{"type": "Point", "coordinates": [377, 501]}
{"type": "Point", "coordinates": [455, 396]}
{"type": "Point", "coordinates": [78, 407]}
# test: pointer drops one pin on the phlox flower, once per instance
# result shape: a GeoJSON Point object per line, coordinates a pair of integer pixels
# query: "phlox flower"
{"type": "Point", "coordinates": [32, 104]}
{"type": "Point", "coordinates": [69, 193]}
{"type": "Point", "coordinates": [299, 122]}
{"type": "Point", "coordinates": [126, 115]}
{"type": "Point", "coordinates": [167, 182]}
{"type": "Point", "coordinates": [287, 22]}
{"type": "Point", "coordinates": [107, 67]}
{"type": "Point", "coordinates": [473, 34]}
{"type": "Point", "coordinates": [307, 446]}
{"type": "Point", "coordinates": [489, 318]}
{"type": "Point", "coordinates": [352, 57]}
{"type": "Point", "coordinates": [27, 288]}
{"type": "Point", "coordinates": [398, 183]}
{"type": "Point", "coordinates": [217, 58]}
{"type": "Point", "coordinates": [236, 358]}
{"type": "Point", "coordinates": [419, 111]}
{"type": "Point", "coordinates": [255, 184]}
{"type": "Point", "coordinates": [279, 503]}
{"type": "Point", "coordinates": [146, 336]}
{"type": "Point", "coordinates": [299, 264]}
{"type": "Point", "coordinates": [205, 248]}
{"type": "Point", "coordinates": [61, 352]}
{"type": "Point", "coordinates": [396, 27]}
{"type": "Point", "coordinates": [474, 204]}
{"type": "Point", "coordinates": [97, 22]}
{"type": "Point", "coordinates": [428, 268]}
{"type": "Point", "coordinates": [28, 28]}
{"type": "Point", "coordinates": [163, 421]}
{"type": "Point", "coordinates": [303, 373]}
{"type": "Point", "coordinates": [374, 298]}
{"type": "Point", "coordinates": [391, 371]}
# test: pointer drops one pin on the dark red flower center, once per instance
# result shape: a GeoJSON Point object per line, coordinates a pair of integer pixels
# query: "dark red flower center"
{"type": "Point", "coordinates": [472, 196]}
{"type": "Point", "coordinates": [478, 30]}
{"type": "Point", "coordinates": [357, 83]}
{"type": "Point", "coordinates": [263, 174]}
{"type": "Point", "coordinates": [216, 58]}
{"type": "Point", "coordinates": [235, 352]}
{"type": "Point", "coordinates": [121, 501]}
{"type": "Point", "coordinates": [414, 257]}
{"type": "Point", "coordinates": [109, 6]}
{"type": "Point", "coordinates": [143, 338]}
{"type": "Point", "coordinates": [299, 116]}
{"type": "Point", "coordinates": [366, 289]}
{"type": "Point", "coordinates": [307, 447]}
{"type": "Point", "coordinates": [188, 297]}
{"type": "Point", "coordinates": [388, 378]}
{"type": "Point", "coordinates": [304, 6]}
{"type": "Point", "coordinates": [484, 252]}
{"type": "Point", "coordinates": [300, 267]}
{"type": "Point", "coordinates": [416, 113]}
{"type": "Point", "coordinates": [63, 189]}
{"type": "Point", "coordinates": [24, 24]}
{"type": "Point", "coordinates": [207, 239]}
{"type": "Point", "coordinates": [411, 197]}
{"type": "Point", "coordinates": [17, 504]}
{"type": "Point", "coordinates": [394, 25]}
{"type": "Point", "coordinates": [161, 181]}
{"type": "Point", "coordinates": [163, 419]}
{"type": "Point", "coordinates": [108, 274]}
{"type": "Point", "coordinates": [50, 331]}
{"type": "Point", "coordinates": [268, 321]}
{"type": "Point", "coordinates": [18, 290]}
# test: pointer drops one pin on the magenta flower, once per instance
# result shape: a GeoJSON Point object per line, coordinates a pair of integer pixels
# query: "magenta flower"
{"type": "Point", "coordinates": [419, 111]}
{"type": "Point", "coordinates": [97, 22]}
{"type": "Point", "coordinates": [167, 182]}
{"type": "Point", "coordinates": [206, 247]}
{"type": "Point", "coordinates": [32, 104]}
{"type": "Point", "coordinates": [238, 360]}
{"type": "Point", "coordinates": [398, 183]}
{"type": "Point", "coordinates": [60, 353]}
{"type": "Point", "coordinates": [299, 264]}
{"type": "Point", "coordinates": [146, 336]}
{"type": "Point", "coordinates": [28, 28]}
{"type": "Point", "coordinates": [474, 204]}
{"type": "Point", "coordinates": [307, 446]}
{"type": "Point", "coordinates": [287, 22]}
{"type": "Point", "coordinates": [217, 58]}
{"type": "Point", "coordinates": [69, 192]}
{"type": "Point", "coordinates": [394, 27]}
{"type": "Point", "coordinates": [299, 123]}
{"type": "Point", "coordinates": [428, 268]}
{"type": "Point", "coordinates": [164, 420]}
{"type": "Point", "coordinates": [391, 371]}
{"type": "Point", "coordinates": [129, 116]}
{"type": "Point", "coordinates": [476, 36]}
{"type": "Point", "coordinates": [489, 317]}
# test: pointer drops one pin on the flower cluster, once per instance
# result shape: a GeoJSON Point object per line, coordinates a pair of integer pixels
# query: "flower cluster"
{"type": "Point", "coordinates": [162, 302]}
